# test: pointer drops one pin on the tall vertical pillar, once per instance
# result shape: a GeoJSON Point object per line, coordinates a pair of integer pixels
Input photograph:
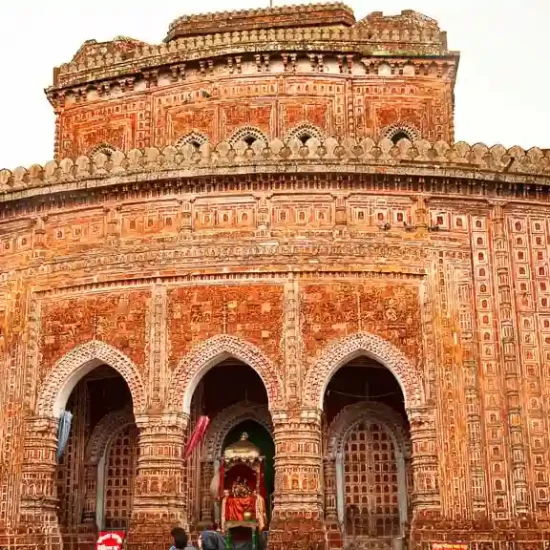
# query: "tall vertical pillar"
{"type": "Point", "coordinates": [38, 520]}
{"type": "Point", "coordinates": [160, 492]}
{"type": "Point", "coordinates": [297, 520]}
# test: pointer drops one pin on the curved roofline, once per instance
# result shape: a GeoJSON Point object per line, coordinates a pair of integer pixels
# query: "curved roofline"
{"type": "Point", "coordinates": [332, 156]}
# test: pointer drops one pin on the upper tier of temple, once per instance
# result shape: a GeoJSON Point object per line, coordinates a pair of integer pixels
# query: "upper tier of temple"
{"type": "Point", "coordinates": [315, 27]}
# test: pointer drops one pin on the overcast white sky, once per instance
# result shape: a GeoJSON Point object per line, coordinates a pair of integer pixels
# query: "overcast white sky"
{"type": "Point", "coordinates": [503, 91]}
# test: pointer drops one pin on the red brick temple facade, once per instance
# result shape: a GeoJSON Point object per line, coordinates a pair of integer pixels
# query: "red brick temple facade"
{"type": "Point", "coordinates": [265, 220]}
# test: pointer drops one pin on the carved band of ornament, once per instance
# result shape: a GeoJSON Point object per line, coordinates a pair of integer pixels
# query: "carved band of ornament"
{"type": "Point", "coordinates": [225, 62]}
{"type": "Point", "coordinates": [140, 55]}
{"type": "Point", "coordinates": [347, 155]}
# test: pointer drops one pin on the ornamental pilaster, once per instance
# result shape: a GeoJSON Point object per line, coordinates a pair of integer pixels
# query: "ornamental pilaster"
{"type": "Point", "coordinates": [297, 508]}
{"type": "Point", "coordinates": [160, 486]}
{"type": "Point", "coordinates": [39, 501]}
{"type": "Point", "coordinates": [425, 462]}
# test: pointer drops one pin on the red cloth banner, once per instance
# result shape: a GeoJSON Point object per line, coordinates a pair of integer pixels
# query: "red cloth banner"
{"type": "Point", "coordinates": [196, 436]}
{"type": "Point", "coordinates": [447, 546]}
{"type": "Point", "coordinates": [110, 540]}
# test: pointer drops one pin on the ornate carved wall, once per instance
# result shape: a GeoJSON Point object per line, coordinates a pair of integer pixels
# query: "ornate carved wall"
{"type": "Point", "coordinates": [286, 235]}
{"type": "Point", "coordinates": [378, 77]}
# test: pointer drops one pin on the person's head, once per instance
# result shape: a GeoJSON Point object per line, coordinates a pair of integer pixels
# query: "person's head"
{"type": "Point", "coordinates": [179, 536]}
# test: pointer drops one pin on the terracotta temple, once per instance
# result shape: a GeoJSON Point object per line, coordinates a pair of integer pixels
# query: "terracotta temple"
{"type": "Point", "coordinates": [260, 285]}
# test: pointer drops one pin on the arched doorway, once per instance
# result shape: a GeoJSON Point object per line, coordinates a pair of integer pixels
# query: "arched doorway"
{"type": "Point", "coordinates": [368, 477]}
{"type": "Point", "coordinates": [97, 464]}
{"type": "Point", "coordinates": [234, 397]}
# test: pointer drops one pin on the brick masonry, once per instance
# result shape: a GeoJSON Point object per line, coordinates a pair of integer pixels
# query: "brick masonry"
{"type": "Point", "coordinates": [232, 194]}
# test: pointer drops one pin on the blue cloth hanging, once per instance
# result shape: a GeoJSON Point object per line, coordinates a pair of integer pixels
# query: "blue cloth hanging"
{"type": "Point", "coordinates": [63, 432]}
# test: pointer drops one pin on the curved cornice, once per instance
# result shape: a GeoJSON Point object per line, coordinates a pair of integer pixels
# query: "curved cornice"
{"type": "Point", "coordinates": [497, 165]}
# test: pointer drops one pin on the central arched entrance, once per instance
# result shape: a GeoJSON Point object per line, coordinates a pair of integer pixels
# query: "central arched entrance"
{"type": "Point", "coordinates": [234, 397]}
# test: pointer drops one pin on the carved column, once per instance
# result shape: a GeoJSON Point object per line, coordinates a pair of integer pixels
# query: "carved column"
{"type": "Point", "coordinates": [160, 491]}
{"type": "Point", "coordinates": [206, 506]}
{"type": "Point", "coordinates": [332, 523]}
{"type": "Point", "coordinates": [298, 513]}
{"type": "Point", "coordinates": [425, 464]}
{"type": "Point", "coordinates": [38, 512]}
{"type": "Point", "coordinates": [90, 498]}
{"type": "Point", "coordinates": [330, 489]}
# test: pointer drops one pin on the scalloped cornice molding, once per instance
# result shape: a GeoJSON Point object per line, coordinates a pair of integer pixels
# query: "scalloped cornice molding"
{"type": "Point", "coordinates": [331, 155]}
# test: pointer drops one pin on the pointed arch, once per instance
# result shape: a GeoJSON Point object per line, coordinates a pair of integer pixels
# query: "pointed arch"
{"type": "Point", "coordinates": [76, 364]}
{"type": "Point", "coordinates": [210, 353]}
{"type": "Point", "coordinates": [249, 135]}
{"type": "Point", "coordinates": [400, 130]}
{"type": "Point", "coordinates": [304, 132]}
{"type": "Point", "coordinates": [227, 419]}
{"type": "Point", "coordinates": [351, 415]}
{"type": "Point", "coordinates": [193, 138]}
{"type": "Point", "coordinates": [104, 431]}
{"type": "Point", "coordinates": [340, 430]}
{"type": "Point", "coordinates": [370, 345]}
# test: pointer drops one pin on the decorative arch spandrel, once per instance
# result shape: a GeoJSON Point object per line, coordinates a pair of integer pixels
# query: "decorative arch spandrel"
{"type": "Point", "coordinates": [210, 353]}
{"type": "Point", "coordinates": [78, 362]}
{"type": "Point", "coordinates": [348, 348]}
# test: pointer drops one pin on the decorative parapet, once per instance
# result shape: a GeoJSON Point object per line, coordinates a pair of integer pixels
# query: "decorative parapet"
{"type": "Point", "coordinates": [264, 18]}
{"type": "Point", "coordinates": [330, 29]}
{"type": "Point", "coordinates": [474, 162]}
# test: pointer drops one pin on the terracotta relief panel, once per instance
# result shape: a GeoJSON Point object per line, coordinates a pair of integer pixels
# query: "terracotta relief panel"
{"type": "Point", "coordinates": [257, 115]}
{"type": "Point", "coordinates": [311, 214]}
{"type": "Point", "coordinates": [252, 312]}
{"type": "Point", "coordinates": [366, 212]}
{"type": "Point", "coordinates": [114, 123]}
{"type": "Point", "coordinates": [529, 237]}
{"type": "Point", "coordinates": [310, 111]}
{"type": "Point", "coordinates": [182, 121]}
{"type": "Point", "coordinates": [331, 311]}
{"type": "Point", "coordinates": [15, 238]}
{"type": "Point", "coordinates": [141, 223]}
{"type": "Point", "coordinates": [119, 319]}
{"type": "Point", "coordinates": [239, 214]}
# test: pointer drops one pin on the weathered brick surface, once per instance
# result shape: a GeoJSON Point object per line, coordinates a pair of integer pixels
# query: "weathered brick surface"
{"type": "Point", "coordinates": [216, 196]}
